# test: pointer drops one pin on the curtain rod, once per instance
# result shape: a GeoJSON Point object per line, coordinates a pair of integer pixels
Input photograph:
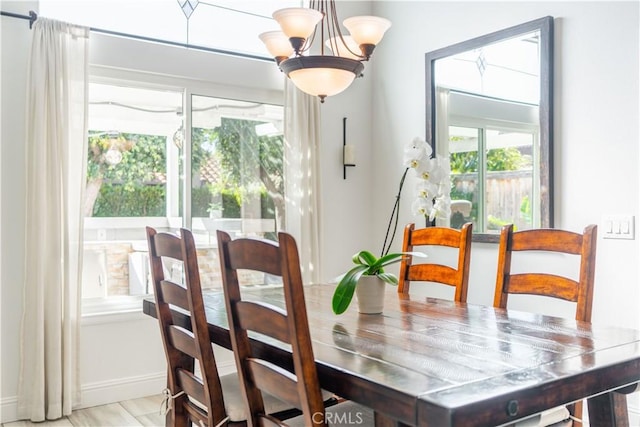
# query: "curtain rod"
{"type": "Point", "coordinates": [32, 17]}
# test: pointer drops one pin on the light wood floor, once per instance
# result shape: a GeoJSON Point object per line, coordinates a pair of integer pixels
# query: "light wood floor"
{"type": "Point", "coordinates": [138, 412]}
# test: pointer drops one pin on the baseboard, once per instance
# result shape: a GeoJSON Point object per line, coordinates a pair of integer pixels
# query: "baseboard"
{"type": "Point", "coordinates": [100, 393]}
{"type": "Point", "coordinates": [132, 388]}
{"type": "Point", "coordinates": [634, 417]}
{"type": "Point", "coordinates": [8, 409]}
{"type": "Point", "coordinates": [105, 392]}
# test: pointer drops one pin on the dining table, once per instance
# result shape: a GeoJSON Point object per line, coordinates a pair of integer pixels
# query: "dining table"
{"type": "Point", "coordinates": [437, 363]}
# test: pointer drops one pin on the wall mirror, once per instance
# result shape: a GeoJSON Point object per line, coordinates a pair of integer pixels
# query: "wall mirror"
{"type": "Point", "coordinates": [489, 110]}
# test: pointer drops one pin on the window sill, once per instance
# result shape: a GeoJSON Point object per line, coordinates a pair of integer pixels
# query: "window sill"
{"type": "Point", "coordinates": [112, 309]}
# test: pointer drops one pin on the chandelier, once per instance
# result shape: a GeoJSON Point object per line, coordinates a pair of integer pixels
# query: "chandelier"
{"type": "Point", "coordinates": [328, 73]}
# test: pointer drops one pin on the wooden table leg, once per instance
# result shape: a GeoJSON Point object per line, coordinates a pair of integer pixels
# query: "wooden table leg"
{"type": "Point", "coordinates": [608, 410]}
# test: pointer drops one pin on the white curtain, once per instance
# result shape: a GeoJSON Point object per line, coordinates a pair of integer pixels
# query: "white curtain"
{"type": "Point", "coordinates": [442, 135]}
{"type": "Point", "coordinates": [442, 121]}
{"type": "Point", "coordinates": [55, 175]}
{"type": "Point", "coordinates": [302, 192]}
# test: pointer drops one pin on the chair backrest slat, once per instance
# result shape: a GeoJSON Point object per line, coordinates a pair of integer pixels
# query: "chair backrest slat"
{"type": "Point", "coordinates": [167, 245]}
{"type": "Point", "coordinates": [553, 240]}
{"type": "Point", "coordinates": [191, 385]}
{"type": "Point", "coordinates": [268, 320]}
{"type": "Point", "coordinates": [276, 381]}
{"type": "Point", "coordinates": [300, 386]}
{"type": "Point", "coordinates": [432, 272]}
{"type": "Point", "coordinates": [183, 340]}
{"type": "Point", "coordinates": [262, 255]}
{"type": "Point", "coordinates": [174, 294]}
{"type": "Point", "coordinates": [550, 285]}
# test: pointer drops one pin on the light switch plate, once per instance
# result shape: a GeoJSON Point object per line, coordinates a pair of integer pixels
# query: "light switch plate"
{"type": "Point", "coordinates": [617, 227]}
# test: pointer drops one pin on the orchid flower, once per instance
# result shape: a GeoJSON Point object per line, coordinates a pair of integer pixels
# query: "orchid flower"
{"type": "Point", "coordinates": [441, 208]}
{"type": "Point", "coordinates": [433, 187]}
{"type": "Point", "coordinates": [427, 189]}
{"type": "Point", "coordinates": [422, 206]}
{"type": "Point", "coordinates": [429, 170]}
{"type": "Point", "coordinates": [416, 153]}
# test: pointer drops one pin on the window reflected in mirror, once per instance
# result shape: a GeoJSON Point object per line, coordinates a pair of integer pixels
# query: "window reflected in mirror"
{"type": "Point", "coordinates": [502, 186]}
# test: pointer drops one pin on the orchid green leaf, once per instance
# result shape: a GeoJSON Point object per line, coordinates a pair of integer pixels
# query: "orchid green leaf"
{"type": "Point", "coordinates": [343, 293]}
{"type": "Point", "coordinates": [365, 264]}
{"type": "Point", "coordinates": [388, 278]}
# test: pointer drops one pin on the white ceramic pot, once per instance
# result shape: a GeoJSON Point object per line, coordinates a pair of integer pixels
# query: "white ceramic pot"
{"type": "Point", "coordinates": [370, 294]}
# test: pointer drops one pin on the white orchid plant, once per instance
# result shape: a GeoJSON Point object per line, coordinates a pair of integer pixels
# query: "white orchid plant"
{"type": "Point", "coordinates": [432, 201]}
{"type": "Point", "coordinates": [432, 198]}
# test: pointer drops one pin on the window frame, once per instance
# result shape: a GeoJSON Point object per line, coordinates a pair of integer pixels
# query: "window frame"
{"type": "Point", "coordinates": [126, 304]}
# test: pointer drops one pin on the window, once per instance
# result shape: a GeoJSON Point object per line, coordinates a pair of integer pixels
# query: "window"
{"type": "Point", "coordinates": [138, 157]}
{"type": "Point", "coordinates": [214, 24]}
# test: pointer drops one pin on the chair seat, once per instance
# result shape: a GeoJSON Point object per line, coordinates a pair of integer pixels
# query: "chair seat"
{"type": "Point", "coordinates": [234, 401]}
{"type": "Point", "coordinates": [345, 414]}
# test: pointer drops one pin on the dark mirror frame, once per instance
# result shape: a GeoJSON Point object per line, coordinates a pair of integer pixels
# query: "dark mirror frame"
{"type": "Point", "coordinates": [545, 26]}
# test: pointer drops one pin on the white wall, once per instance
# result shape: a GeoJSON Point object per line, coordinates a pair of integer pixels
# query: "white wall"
{"type": "Point", "coordinates": [15, 48]}
{"type": "Point", "coordinates": [347, 205]}
{"type": "Point", "coordinates": [596, 123]}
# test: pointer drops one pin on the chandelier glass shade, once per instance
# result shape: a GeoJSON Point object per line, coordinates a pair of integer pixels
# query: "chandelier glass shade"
{"type": "Point", "coordinates": [297, 21]}
{"type": "Point", "coordinates": [327, 73]}
{"type": "Point", "coordinates": [345, 46]}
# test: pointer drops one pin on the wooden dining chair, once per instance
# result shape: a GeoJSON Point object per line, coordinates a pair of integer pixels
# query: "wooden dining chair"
{"type": "Point", "coordinates": [296, 383]}
{"type": "Point", "coordinates": [431, 272]}
{"type": "Point", "coordinates": [575, 289]}
{"type": "Point", "coordinates": [203, 398]}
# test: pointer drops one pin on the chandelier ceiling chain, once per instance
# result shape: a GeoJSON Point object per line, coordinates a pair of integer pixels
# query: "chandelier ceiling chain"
{"type": "Point", "coordinates": [322, 74]}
